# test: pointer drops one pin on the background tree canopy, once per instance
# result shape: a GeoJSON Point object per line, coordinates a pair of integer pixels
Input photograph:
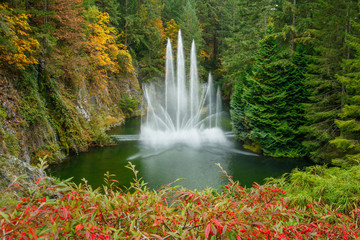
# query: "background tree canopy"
{"type": "Point", "coordinates": [288, 67]}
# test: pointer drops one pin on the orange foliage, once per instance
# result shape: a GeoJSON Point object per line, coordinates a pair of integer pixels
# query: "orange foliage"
{"type": "Point", "coordinates": [204, 55]}
{"type": "Point", "coordinates": [104, 53]}
{"type": "Point", "coordinates": [69, 22]}
{"type": "Point", "coordinates": [159, 25]}
{"type": "Point", "coordinates": [18, 48]}
{"type": "Point", "coordinates": [125, 60]}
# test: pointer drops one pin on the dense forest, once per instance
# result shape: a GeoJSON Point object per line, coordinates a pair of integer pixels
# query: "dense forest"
{"type": "Point", "coordinates": [287, 68]}
{"type": "Point", "coordinates": [289, 74]}
{"type": "Point", "coordinates": [296, 95]}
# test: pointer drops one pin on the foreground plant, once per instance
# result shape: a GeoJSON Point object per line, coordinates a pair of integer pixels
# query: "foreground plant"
{"type": "Point", "coordinates": [334, 186]}
{"type": "Point", "coordinates": [73, 211]}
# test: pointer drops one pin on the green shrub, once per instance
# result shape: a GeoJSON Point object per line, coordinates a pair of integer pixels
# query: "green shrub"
{"type": "Point", "coordinates": [129, 105]}
{"type": "Point", "coordinates": [337, 187]}
{"type": "Point", "coordinates": [51, 152]}
{"type": "Point", "coordinates": [31, 110]}
{"type": "Point", "coordinates": [12, 144]}
{"type": "Point", "coordinates": [3, 114]}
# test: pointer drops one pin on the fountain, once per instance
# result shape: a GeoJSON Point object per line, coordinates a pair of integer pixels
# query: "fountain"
{"type": "Point", "coordinates": [182, 112]}
{"type": "Point", "coordinates": [180, 137]}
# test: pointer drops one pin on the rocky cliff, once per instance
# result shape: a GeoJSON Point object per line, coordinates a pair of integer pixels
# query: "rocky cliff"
{"type": "Point", "coordinates": [43, 116]}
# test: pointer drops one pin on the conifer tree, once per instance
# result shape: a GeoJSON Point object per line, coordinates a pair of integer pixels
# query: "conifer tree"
{"type": "Point", "coordinates": [297, 96]}
{"type": "Point", "coordinates": [243, 25]}
{"type": "Point", "coordinates": [173, 9]}
{"type": "Point", "coordinates": [237, 112]}
{"type": "Point", "coordinates": [146, 37]}
{"type": "Point", "coordinates": [270, 102]}
{"type": "Point", "coordinates": [262, 96]}
{"type": "Point", "coordinates": [330, 23]}
{"type": "Point", "coordinates": [209, 15]}
{"type": "Point", "coordinates": [294, 20]}
{"type": "Point", "coordinates": [190, 26]}
{"type": "Point", "coordinates": [348, 120]}
{"type": "Point", "coordinates": [191, 30]}
{"type": "Point", "coordinates": [112, 8]}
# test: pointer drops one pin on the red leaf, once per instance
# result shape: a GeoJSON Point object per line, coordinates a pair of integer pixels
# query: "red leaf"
{"type": "Point", "coordinates": [87, 234]}
{"type": "Point", "coordinates": [79, 227]}
{"type": "Point", "coordinates": [15, 184]}
{"type": "Point", "coordinates": [157, 236]}
{"type": "Point", "coordinates": [208, 230]}
{"type": "Point", "coordinates": [33, 233]}
{"type": "Point", "coordinates": [219, 227]}
{"type": "Point", "coordinates": [65, 213]}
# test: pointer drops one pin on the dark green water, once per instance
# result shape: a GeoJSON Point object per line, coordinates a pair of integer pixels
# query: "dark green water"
{"type": "Point", "coordinates": [197, 167]}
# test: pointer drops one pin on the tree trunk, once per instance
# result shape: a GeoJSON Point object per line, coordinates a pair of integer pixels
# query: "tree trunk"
{"type": "Point", "coordinates": [347, 51]}
{"type": "Point", "coordinates": [45, 9]}
{"type": "Point", "coordinates": [293, 28]}
{"type": "Point", "coordinates": [126, 11]}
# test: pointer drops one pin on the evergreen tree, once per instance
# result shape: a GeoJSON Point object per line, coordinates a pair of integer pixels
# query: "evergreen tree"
{"type": "Point", "coordinates": [331, 24]}
{"type": "Point", "coordinates": [112, 8]}
{"type": "Point", "coordinates": [128, 19]}
{"type": "Point", "coordinates": [173, 9]}
{"type": "Point", "coordinates": [190, 26]}
{"type": "Point", "coordinates": [348, 120]}
{"type": "Point", "coordinates": [239, 122]}
{"type": "Point", "coordinates": [270, 102]}
{"type": "Point", "coordinates": [294, 21]}
{"type": "Point", "coordinates": [233, 62]}
{"type": "Point", "coordinates": [208, 12]}
{"type": "Point", "coordinates": [297, 96]}
{"type": "Point", "coordinates": [153, 39]}
{"type": "Point", "coordinates": [243, 25]}
{"type": "Point", "coordinates": [145, 36]}
{"type": "Point", "coordinates": [191, 30]}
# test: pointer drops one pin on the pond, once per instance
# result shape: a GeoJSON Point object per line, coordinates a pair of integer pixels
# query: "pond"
{"type": "Point", "coordinates": [197, 167]}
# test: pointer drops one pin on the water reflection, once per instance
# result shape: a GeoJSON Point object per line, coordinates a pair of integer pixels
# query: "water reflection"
{"type": "Point", "coordinates": [197, 166]}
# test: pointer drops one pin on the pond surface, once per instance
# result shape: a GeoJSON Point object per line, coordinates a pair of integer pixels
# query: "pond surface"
{"type": "Point", "coordinates": [196, 166]}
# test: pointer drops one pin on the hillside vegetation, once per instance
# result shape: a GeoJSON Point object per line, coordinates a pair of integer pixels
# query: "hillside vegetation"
{"type": "Point", "coordinates": [64, 78]}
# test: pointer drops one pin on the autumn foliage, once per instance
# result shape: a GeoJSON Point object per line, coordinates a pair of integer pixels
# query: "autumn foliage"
{"type": "Point", "coordinates": [80, 40]}
{"type": "Point", "coordinates": [69, 21]}
{"type": "Point", "coordinates": [17, 47]}
{"type": "Point", "coordinates": [101, 47]}
{"type": "Point", "coordinates": [69, 211]}
{"type": "Point", "coordinates": [69, 71]}
{"type": "Point", "coordinates": [171, 32]}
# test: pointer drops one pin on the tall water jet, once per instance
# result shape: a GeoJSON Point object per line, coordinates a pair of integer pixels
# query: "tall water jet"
{"type": "Point", "coordinates": [181, 86]}
{"type": "Point", "coordinates": [194, 85]}
{"type": "Point", "coordinates": [218, 107]}
{"type": "Point", "coordinates": [210, 97]}
{"type": "Point", "coordinates": [169, 76]}
{"type": "Point", "coordinates": [181, 112]}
